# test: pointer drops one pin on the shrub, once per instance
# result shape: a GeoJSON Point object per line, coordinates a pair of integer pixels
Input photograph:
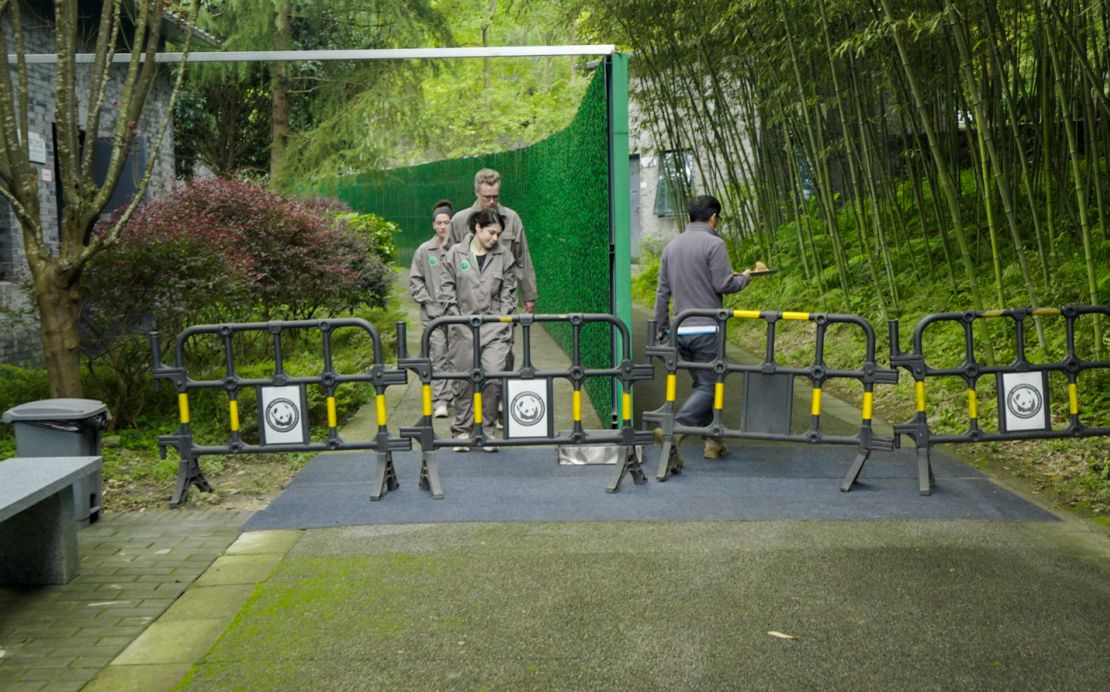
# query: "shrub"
{"type": "Point", "coordinates": [376, 233]}
{"type": "Point", "coordinates": [216, 251]}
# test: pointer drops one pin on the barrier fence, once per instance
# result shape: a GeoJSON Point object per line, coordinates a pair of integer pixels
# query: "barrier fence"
{"type": "Point", "coordinates": [1022, 389]}
{"type": "Point", "coordinates": [1024, 408]}
{"type": "Point", "coordinates": [527, 393]}
{"type": "Point", "coordinates": [281, 399]}
{"type": "Point", "coordinates": [768, 386]}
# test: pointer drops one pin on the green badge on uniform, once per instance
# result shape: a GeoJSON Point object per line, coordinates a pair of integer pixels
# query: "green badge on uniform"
{"type": "Point", "coordinates": [433, 261]}
{"type": "Point", "coordinates": [465, 265]}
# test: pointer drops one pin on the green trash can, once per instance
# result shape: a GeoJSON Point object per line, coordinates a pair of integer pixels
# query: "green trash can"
{"type": "Point", "coordinates": [64, 428]}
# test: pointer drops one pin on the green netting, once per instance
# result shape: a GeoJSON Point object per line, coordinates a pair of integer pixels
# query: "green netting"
{"type": "Point", "coordinates": [560, 188]}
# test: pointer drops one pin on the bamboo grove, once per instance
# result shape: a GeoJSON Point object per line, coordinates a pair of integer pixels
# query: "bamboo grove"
{"type": "Point", "coordinates": [881, 146]}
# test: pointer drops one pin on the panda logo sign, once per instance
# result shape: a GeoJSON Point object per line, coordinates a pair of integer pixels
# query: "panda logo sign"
{"type": "Point", "coordinates": [281, 414]}
{"type": "Point", "coordinates": [527, 408]}
{"type": "Point", "coordinates": [1023, 401]}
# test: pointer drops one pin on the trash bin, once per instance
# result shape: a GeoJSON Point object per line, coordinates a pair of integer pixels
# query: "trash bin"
{"type": "Point", "coordinates": [64, 428]}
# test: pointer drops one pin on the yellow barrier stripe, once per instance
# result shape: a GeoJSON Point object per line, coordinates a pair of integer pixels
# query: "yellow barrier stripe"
{"type": "Point", "coordinates": [795, 315]}
{"type": "Point", "coordinates": [183, 406]}
{"type": "Point", "coordinates": [719, 396]}
{"type": "Point", "coordinates": [972, 404]}
{"type": "Point", "coordinates": [427, 394]}
{"type": "Point", "coordinates": [576, 405]}
{"type": "Point", "coordinates": [919, 392]}
{"type": "Point", "coordinates": [505, 318]}
{"type": "Point", "coordinates": [672, 382]}
{"type": "Point", "coordinates": [477, 407]}
{"type": "Point", "coordinates": [868, 404]}
{"type": "Point", "coordinates": [233, 409]}
{"type": "Point", "coordinates": [333, 419]}
{"type": "Point", "coordinates": [815, 409]}
{"type": "Point", "coordinates": [1073, 398]}
{"type": "Point", "coordinates": [626, 406]}
{"type": "Point", "coordinates": [991, 313]}
{"type": "Point", "coordinates": [382, 418]}
{"type": "Point", "coordinates": [748, 314]}
{"type": "Point", "coordinates": [1050, 312]}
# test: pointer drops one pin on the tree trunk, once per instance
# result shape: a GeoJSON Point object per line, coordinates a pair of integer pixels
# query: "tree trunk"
{"type": "Point", "coordinates": [59, 309]}
{"type": "Point", "coordinates": [279, 129]}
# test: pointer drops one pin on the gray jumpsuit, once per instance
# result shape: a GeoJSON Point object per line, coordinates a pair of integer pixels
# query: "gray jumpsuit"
{"type": "Point", "coordinates": [468, 290]}
{"type": "Point", "coordinates": [425, 280]}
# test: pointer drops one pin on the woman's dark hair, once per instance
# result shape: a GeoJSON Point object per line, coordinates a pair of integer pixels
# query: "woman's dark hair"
{"type": "Point", "coordinates": [484, 218]}
{"type": "Point", "coordinates": [443, 206]}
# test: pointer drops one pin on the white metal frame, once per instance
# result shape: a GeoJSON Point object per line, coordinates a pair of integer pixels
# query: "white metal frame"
{"type": "Point", "coordinates": [321, 55]}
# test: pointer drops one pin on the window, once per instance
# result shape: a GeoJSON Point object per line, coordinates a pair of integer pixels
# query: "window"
{"type": "Point", "coordinates": [674, 179]}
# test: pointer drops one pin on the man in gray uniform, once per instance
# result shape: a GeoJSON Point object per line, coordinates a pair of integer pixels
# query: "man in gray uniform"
{"type": "Point", "coordinates": [480, 279]}
{"type": "Point", "coordinates": [487, 189]}
{"type": "Point", "coordinates": [695, 272]}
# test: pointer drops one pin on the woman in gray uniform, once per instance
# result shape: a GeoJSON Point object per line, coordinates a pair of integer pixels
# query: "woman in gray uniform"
{"type": "Point", "coordinates": [479, 278]}
{"type": "Point", "coordinates": [425, 280]}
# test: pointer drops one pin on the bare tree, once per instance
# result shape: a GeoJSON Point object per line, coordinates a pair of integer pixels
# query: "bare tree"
{"type": "Point", "coordinates": [56, 272]}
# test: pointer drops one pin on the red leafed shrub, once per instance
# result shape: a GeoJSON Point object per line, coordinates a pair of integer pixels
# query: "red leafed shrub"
{"type": "Point", "coordinates": [221, 251]}
{"type": "Point", "coordinates": [230, 249]}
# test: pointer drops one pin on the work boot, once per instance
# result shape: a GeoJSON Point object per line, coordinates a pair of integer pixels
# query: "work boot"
{"type": "Point", "coordinates": [715, 449]}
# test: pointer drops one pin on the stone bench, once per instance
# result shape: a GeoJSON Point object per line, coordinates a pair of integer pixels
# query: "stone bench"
{"type": "Point", "coordinates": [38, 532]}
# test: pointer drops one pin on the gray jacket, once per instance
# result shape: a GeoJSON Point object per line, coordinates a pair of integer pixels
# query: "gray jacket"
{"type": "Point", "coordinates": [695, 272]}
{"type": "Point", "coordinates": [466, 290]}
{"type": "Point", "coordinates": [512, 237]}
{"type": "Point", "coordinates": [426, 277]}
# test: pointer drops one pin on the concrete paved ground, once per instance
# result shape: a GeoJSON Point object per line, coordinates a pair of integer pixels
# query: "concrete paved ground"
{"type": "Point", "coordinates": [634, 605]}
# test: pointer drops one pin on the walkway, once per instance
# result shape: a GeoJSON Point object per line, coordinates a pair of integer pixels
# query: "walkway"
{"type": "Point", "coordinates": [643, 604]}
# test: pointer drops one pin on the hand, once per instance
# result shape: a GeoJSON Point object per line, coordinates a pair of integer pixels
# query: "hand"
{"type": "Point", "coordinates": [529, 306]}
{"type": "Point", "coordinates": [663, 337]}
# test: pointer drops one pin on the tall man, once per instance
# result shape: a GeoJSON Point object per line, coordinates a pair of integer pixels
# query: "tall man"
{"type": "Point", "coordinates": [695, 272]}
{"type": "Point", "coordinates": [487, 189]}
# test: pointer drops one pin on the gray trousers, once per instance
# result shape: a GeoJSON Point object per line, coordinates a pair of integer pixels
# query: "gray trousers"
{"type": "Point", "coordinates": [443, 391]}
{"type": "Point", "coordinates": [698, 409]}
{"type": "Point", "coordinates": [496, 344]}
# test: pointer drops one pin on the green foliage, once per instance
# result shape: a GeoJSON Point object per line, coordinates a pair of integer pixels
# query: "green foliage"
{"type": "Point", "coordinates": [377, 233]}
{"type": "Point", "coordinates": [219, 251]}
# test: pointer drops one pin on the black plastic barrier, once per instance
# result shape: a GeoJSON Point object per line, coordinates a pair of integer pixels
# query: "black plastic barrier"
{"type": "Point", "coordinates": [281, 401]}
{"type": "Point", "coordinates": [1022, 385]}
{"type": "Point", "coordinates": [768, 390]}
{"type": "Point", "coordinates": [625, 372]}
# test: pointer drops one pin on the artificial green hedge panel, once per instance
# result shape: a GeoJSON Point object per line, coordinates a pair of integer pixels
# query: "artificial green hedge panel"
{"type": "Point", "coordinates": [560, 188]}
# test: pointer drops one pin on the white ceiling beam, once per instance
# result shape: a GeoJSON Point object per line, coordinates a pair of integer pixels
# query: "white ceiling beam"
{"type": "Point", "coordinates": [379, 54]}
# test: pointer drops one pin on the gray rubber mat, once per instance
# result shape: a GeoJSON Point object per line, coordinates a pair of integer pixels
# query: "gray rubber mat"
{"type": "Point", "coordinates": [756, 482]}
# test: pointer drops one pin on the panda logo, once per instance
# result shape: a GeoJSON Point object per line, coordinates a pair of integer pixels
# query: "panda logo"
{"type": "Point", "coordinates": [1024, 401]}
{"type": "Point", "coordinates": [527, 408]}
{"type": "Point", "coordinates": [282, 415]}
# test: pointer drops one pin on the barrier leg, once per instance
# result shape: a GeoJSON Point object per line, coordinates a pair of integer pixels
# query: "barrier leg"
{"type": "Point", "coordinates": [925, 480]}
{"type": "Point", "coordinates": [667, 463]}
{"type": "Point", "coordinates": [853, 473]}
{"type": "Point", "coordinates": [429, 474]}
{"type": "Point", "coordinates": [385, 477]}
{"type": "Point", "coordinates": [188, 475]}
{"type": "Point", "coordinates": [630, 465]}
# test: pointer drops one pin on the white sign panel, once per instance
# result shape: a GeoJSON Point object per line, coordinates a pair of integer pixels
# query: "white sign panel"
{"type": "Point", "coordinates": [1023, 401]}
{"type": "Point", "coordinates": [36, 147]}
{"type": "Point", "coordinates": [282, 412]}
{"type": "Point", "coordinates": [527, 406]}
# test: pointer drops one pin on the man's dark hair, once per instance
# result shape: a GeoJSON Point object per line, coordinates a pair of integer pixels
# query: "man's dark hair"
{"type": "Point", "coordinates": [702, 207]}
{"type": "Point", "coordinates": [483, 218]}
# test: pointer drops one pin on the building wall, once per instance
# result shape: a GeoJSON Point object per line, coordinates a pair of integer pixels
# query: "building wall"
{"type": "Point", "coordinates": [19, 338]}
